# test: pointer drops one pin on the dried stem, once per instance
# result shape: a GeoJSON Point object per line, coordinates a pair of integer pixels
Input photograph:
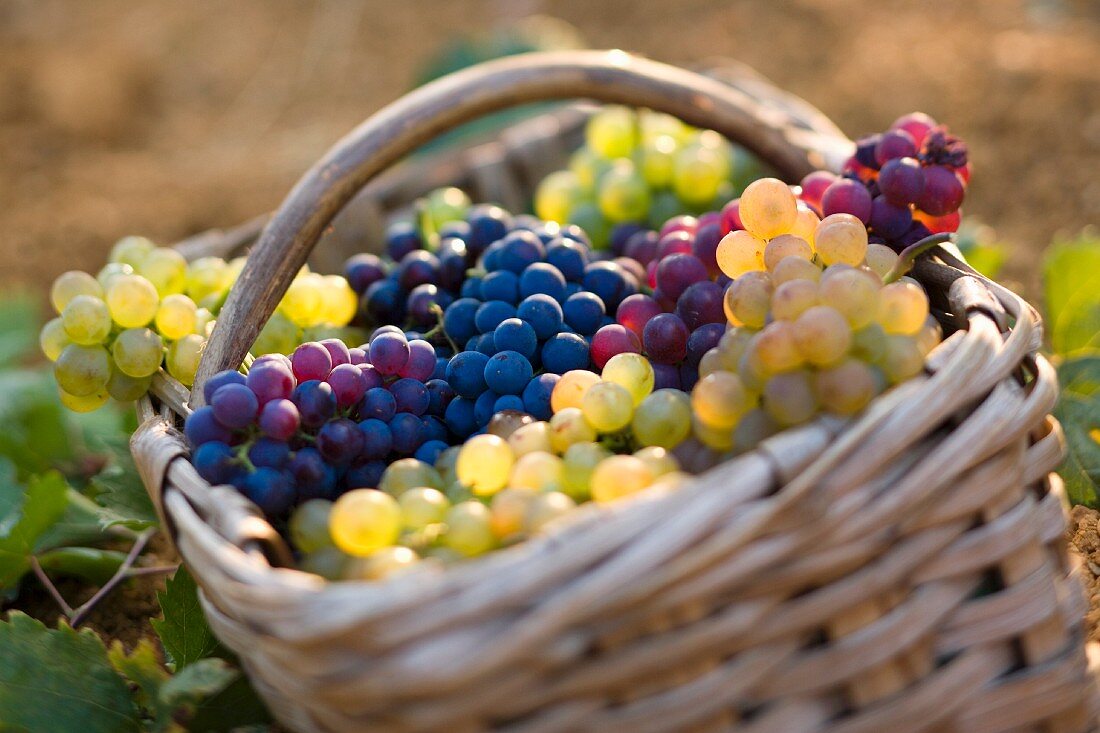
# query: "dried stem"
{"type": "Point", "coordinates": [124, 571]}
{"type": "Point", "coordinates": [50, 587]}
{"type": "Point", "coordinates": [910, 254]}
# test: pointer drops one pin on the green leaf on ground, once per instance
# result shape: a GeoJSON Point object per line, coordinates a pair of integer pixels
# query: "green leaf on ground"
{"type": "Point", "coordinates": [59, 681]}
{"type": "Point", "coordinates": [1071, 282]}
{"type": "Point", "coordinates": [142, 668]}
{"type": "Point", "coordinates": [181, 696]}
{"type": "Point", "coordinates": [1080, 418]}
{"type": "Point", "coordinates": [121, 494]}
{"type": "Point", "coordinates": [1080, 375]}
{"type": "Point", "coordinates": [235, 708]}
{"type": "Point", "coordinates": [44, 503]}
{"type": "Point", "coordinates": [90, 564]}
{"type": "Point", "coordinates": [184, 632]}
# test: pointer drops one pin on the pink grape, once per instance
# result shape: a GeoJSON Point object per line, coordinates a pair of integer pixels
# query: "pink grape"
{"type": "Point", "coordinates": [846, 196]}
{"type": "Point", "coordinates": [943, 191]}
{"type": "Point", "coordinates": [895, 144]}
{"type": "Point", "coordinates": [814, 185]}
{"type": "Point", "coordinates": [613, 339]}
{"type": "Point", "coordinates": [901, 181]}
{"type": "Point", "coordinates": [637, 310]}
{"type": "Point", "coordinates": [311, 361]}
{"type": "Point", "coordinates": [731, 217]}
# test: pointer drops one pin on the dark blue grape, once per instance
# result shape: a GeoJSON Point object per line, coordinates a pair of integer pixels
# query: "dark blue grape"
{"type": "Point", "coordinates": [491, 313]}
{"type": "Point", "coordinates": [410, 395]}
{"type": "Point", "coordinates": [889, 220]}
{"type": "Point", "coordinates": [689, 375]}
{"type": "Point", "coordinates": [543, 313]}
{"type": "Point", "coordinates": [569, 257]}
{"type": "Point", "coordinates": [488, 223]}
{"type": "Point", "coordinates": [365, 474]}
{"type": "Point", "coordinates": [666, 376]}
{"type": "Point", "coordinates": [419, 305]}
{"type": "Point", "coordinates": [417, 268]}
{"type": "Point", "coordinates": [576, 233]}
{"type": "Point", "coordinates": [454, 230]}
{"type": "Point", "coordinates": [402, 238]}
{"type": "Point", "coordinates": [484, 407]}
{"type": "Point", "coordinates": [377, 439]}
{"type": "Point", "coordinates": [485, 344]}
{"type": "Point", "coordinates": [520, 249]}
{"type": "Point", "coordinates": [609, 281]}
{"type": "Point", "coordinates": [363, 270]}
{"type": "Point", "coordinates": [584, 312]}
{"type": "Point", "coordinates": [865, 151]}
{"type": "Point", "coordinates": [229, 376]}
{"type": "Point", "coordinates": [202, 427]}
{"type": "Point", "coordinates": [440, 371]}
{"type": "Point", "coordinates": [471, 288]}
{"type": "Point", "coordinates": [459, 417]}
{"type": "Point", "coordinates": [315, 478]}
{"type": "Point", "coordinates": [490, 259]}
{"type": "Point", "coordinates": [508, 372]}
{"type": "Point", "coordinates": [215, 462]}
{"type": "Point", "coordinates": [536, 396]}
{"type": "Point", "coordinates": [466, 374]}
{"type": "Point", "coordinates": [440, 394]}
{"type": "Point", "coordinates": [235, 405]}
{"type": "Point", "coordinates": [542, 278]}
{"type": "Point", "coordinates": [378, 403]}
{"type": "Point", "coordinates": [408, 433]}
{"type": "Point", "coordinates": [515, 334]}
{"type": "Point", "coordinates": [642, 246]}
{"type": "Point", "coordinates": [701, 303]}
{"type": "Point", "coordinates": [271, 490]}
{"type": "Point", "coordinates": [453, 263]}
{"type": "Point", "coordinates": [434, 428]}
{"type": "Point", "coordinates": [621, 234]}
{"type": "Point", "coordinates": [703, 339]}
{"type": "Point", "coordinates": [500, 285]}
{"type": "Point", "coordinates": [429, 451]}
{"type": "Point", "coordinates": [340, 441]}
{"type": "Point", "coordinates": [508, 402]}
{"type": "Point", "coordinates": [384, 301]}
{"type": "Point", "coordinates": [564, 352]}
{"type": "Point", "coordinates": [316, 402]}
{"type": "Point", "coordinates": [270, 453]}
{"type": "Point", "coordinates": [458, 319]}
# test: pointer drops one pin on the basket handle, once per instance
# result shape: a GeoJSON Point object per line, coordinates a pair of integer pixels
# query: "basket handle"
{"type": "Point", "coordinates": [418, 117]}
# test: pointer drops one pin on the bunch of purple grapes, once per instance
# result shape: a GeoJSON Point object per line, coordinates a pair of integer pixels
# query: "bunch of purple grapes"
{"type": "Point", "coordinates": [325, 420]}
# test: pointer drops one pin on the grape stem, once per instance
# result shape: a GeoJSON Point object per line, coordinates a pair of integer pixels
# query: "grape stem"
{"type": "Point", "coordinates": [438, 313]}
{"type": "Point", "coordinates": [910, 254]}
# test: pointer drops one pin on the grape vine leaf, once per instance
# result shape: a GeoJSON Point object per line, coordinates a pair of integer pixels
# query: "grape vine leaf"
{"type": "Point", "coordinates": [183, 631]}
{"type": "Point", "coordinates": [44, 502]}
{"type": "Point", "coordinates": [121, 493]}
{"type": "Point", "coordinates": [59, 680]}
{"type": "Point", "coordinates": [1078, 411]}
{"type": "Point", "coordinates": [1071, 282]}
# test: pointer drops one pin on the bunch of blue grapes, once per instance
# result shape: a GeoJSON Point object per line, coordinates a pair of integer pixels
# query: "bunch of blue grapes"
{"type": "Point", "coordinates": [322, 421]}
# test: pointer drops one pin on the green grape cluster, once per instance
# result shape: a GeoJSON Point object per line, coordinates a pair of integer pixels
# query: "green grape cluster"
{"type": "Point", "coordinates": [148, 307]}
{"type": "Point", "coordinates": [641, 167]}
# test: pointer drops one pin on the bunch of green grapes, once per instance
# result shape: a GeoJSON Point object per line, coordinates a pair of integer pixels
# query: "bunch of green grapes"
{"type": "Point", "coordinates": [641, 167]}
{"type": "Point", "coordinates": [148, 308]}
{"type": "Point", "coordinates": [814, 327]}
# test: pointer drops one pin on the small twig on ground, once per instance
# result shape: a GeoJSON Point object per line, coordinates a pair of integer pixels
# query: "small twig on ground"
{"type": "Point", "coordinates": [50, 587]}
{"type": "Point", "coordinates": [123, 572]}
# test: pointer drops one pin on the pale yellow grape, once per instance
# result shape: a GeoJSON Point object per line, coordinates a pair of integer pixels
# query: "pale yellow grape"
{"type": "Point", "coordinates": [568, 427]}
{"type": "Point", "coordinates": [176, 316]}
{"type": "Point", "coordinates": [841, 238]}
{"type": "Point", "coordinates": [880, 259]}
{"type": "Point", "coordinates": [658, 124]}
{"type": "Point", "coordinates": [612, 132]}
{"type": "Point", "coordinates": [131, 250]}
{"type": "Point", "coordinates": [768, 208]}
{"type": "Point", "coordinates": [662, 419]}
{"type": "Point", "coordinates": [383, 563]}
{"type": "Point", "coordinates": [607, 406]}
{"type": "Point", "coordinates": [580, 460]}
{"type": "Point", "coordinates": [929, 336]}
{"type": "Point", "coordinates": [110, 271]}
{"type": "Point", "coordinates": [570, 389]}
{"type": "Point", "coordinates": [902, 358]}
{"type": "Point", "coordinates": [853, 293]}
{"type": "Point", "coordinates": [421, 506]}
{"type": "Point", "coordinates": [530, 438]}
{"type": "Point", "coordinates": [83, 403]}
{"type": "Point", "coordinates": [846, 388]}
{"type": "Point", "coordinates": [339, 302]}
{"type": "Point", "coordinates": [588, 167]}
{"type": "Point", "coordinates": [822, 335]}
{"type": "Point", "coordinates": [278, 336]}
{"type": "Point", "coordinates": [545, 508]}
{"type": "Point", "coordinates": [468, 529]}
{"type": "Point", "coordinates": [71, 284]}
{"type": "Point", "coordinates": [751, 368]}
{"type": "Point", "coordinates": [903, 308]}
{"type": "Point", "coordinates": [557, 194]}
{"type": "Point", "coordinates": [740, 252]}
{"type": "Point", "coordinates": [407, 474]}
{"type": "Point", "coordinates": [748, 299]}
{"type": "Point", "coordinates": [540, 471]}
{"type": "Point", "coordinates": [619, 476]}
{"type": "Point", "coordinates": [795, 268]}
{"type": "Point", "coordinates": [756, 426]}
{"type": "Point", "coordinates": [52, 339]}
{"type": "Point", "coordinates": [330, 563]}
{"type": "Point", "coordinates": [133, 300]}
{"type": "Point", "coordinates": [658, 157]}
{"type": "Point", "coordinates": [86, 320]}
{"type": "Point", "coordinates": [697, 174]}
{"type": "Point", "coordinates": [303, 302]}
{"type": "Point", "coordinates": [445, 465]}
{"type": "Point", "coordinates": [784, 246]}
{"type": "Point", "coordinates": [484, 464]}
{"type": "Point", "coordinates": [204, 322]}
{"type": "Point", "coordinates": [805, 223]}
{"type": "Point", "coordinates": [776, 348]}
{"type": "Point", "coordinates": [720, 399]}
{"type": "Point", "coordinates": [82, 370]}
{"type": "Point", "coordinates": [720, 439]}
{"type": "Point", "coordinates": [206, 276]}
{"type": "Point", "coordinates": [733, 344]}
{"type": "Point", "coordinates": [792, 298]}
{"type": "Point", "coordinates": [659, 460]}
{"type": "Point", "coordinates": [183, 357]}
{"type": "Point", "coordinates": [166, 269]}
{"type": "Point", "coordinates": [789, 398]}
{"type": "Point", "coordinates": [364, 520]}
{"type": "Point", "coordinates": [508, 510]}
{"type": "Point", "coordinates": [308, 525]}
{"type": "Point", "coordinates": [711, 362]}
{"type": "Point", "coordinates": [632, 371]}
{"type": "Point", "coordinates": [869, 343]}
{"type": "Point", "coordinates": [138, 352]}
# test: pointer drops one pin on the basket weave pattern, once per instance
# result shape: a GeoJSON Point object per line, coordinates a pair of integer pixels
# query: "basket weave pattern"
{"type": "Point", "coordinates": [903, 571]}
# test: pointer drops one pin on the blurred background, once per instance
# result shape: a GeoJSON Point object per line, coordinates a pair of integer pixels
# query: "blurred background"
{"type": "Point", "coordinates": [165, 119]}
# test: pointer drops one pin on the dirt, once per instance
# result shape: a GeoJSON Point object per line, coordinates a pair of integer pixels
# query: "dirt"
{"type": "Point", "coordinates": [1083, 535]}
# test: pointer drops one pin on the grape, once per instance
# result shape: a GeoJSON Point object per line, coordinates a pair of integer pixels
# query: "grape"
{"type": "Point", "coordinates": [165, 268]}
{"type": "Point", "coordinates": [845, 196]}
{"type": "Point", "coordinates": [678, 271]}
{"type": "Point", "coordinates": [235, 406]}
{"type": "Point", "coordinates": [841, 238]}
{"type": "Point", "coordinates": [846, 388]}
{"type": "Point", "coordinates": [138, 352]}
{"type": "Point", "coordinates": [792, 298]}
{"type": "Point", "coordinates": [776, 349]}
{"type": "Point", "coordinates": [622, 193]}
{"type": "Point", "coordinates": [740, 252]}
{"type": "Point", "coordinates": [389, 353]}
{"type": "Point", "coordinates": [422, 506]}
{"type": "Point", "coordinates": [278, 336]}
{"type": "Point", "coordinates": [720, 399]}
{"type": "Point", "coordinates": [784, 246]}
{"type": "Point", "coordinates": [903, 308]}
{"type": "Point", "coordinates": [409, 395]}
{"type": "Point", "coordinates": [484, 464]}
{"type": "Point", "coordinates": [902, 358]}
{"type": "Point", "coordinates": [747, 299]}
{"type": "Point", "coordinates": [309, 524]}
{"type": "Point", "coordinates": [519, 249]}
{"type": "Point", "coordinates": [814, 186]}
{"type": "Point", "coordinates": [636, 311]}
{"type": "Point", "coordinates": [822, 335]}
{"type": "Point", "coordinates": [619, 476]}
{"type": "Point", "coordinates": [564, 352]}
{"type": "Point", "coordinates": [894, 144]}
{"type": "Point", "coordinates": [507, 372]}
{"type": "Point", "coordinates": [543, 313]}
{"type": "Point", "coordinates": [279, 419]}
{"type": "Point", "coordinates": [698, 173]}
{"type": "Point", "coordinates": [610, 282]}
{"type": "Point", "coordinates": [731, 216]}
{"type": "Point", "coordinates": [753, 428]}
{"type": "Point", "coordinates": [270, 453]}
{"type": "Point", "coordinates": [272, 491]}
{"type": "Point", "coordinates": [901, 181]}
{"type": "Point", "coordinates": [665, 339]}
{"type": "Point", "coordinates": [805, 224]}
{"type": "Point", "coordinates": [176, 316]}
{"type": "Point", "coordinates": [794, 268]}
{"type": "Point", "coordinates": [71, 284]}
{"type": "Point", "coordinates": [658, 460]}
{"type": "Point", "coordinates": [206, 276]}
{"type": "Point", "coordinates": [943, 191]}
{"type": "Point", "coordinates": [131, 250]}
{"type": "Point", "coordinates": [445, 205]}
{"type": "Point", "coordinates": [658, 156]}
{"type": "Point", "coordinates": [364, 520]}
{"type": "Point", "coordinates": [701, 304]}
{"type": "Point", "coordinates": [888, 220]}
{"type": "Point", "coordinates": [632, 372]}
{"type": "Point", "coordinates": [642, 247]}
{"type": "Point", "coordinates": [214, 462]}
{"type": "Point", "coordinates": [767, 209]}
{"type": "Point", "coordinates": [381, 564]}
{"type": "Point", "coordinates": [311, 361]}
{"type": "Point", "coordinates": [53, 339]}
{"type": "Point", "coordinates": [917, 124]}
{"type": "Point", "coordinates": [379, 404]}
{"type": "Point", "coordinates": [557, 194]}
{"type": "Point", "coordinates": [537, 394]}
{"type": "Point", "coordinates": [853, 293]}
{"type": "Point", "coordinates": [406, 474]}
{"type": "Point", "coordinates": [468, 529]}
{"type": "Point", "coordinates": [409, 433]}
{"type": "Point", "coordinates": [538, 470]}
{"type": "Point", "coordinates": [86, 320]}
{"type": "Point", "coordinates": [869, 343]}
{"type": "Point", "coordinates": [377, 439]}
{"type": "Point", "coordinates": [571, 388]}
{"type": "Point", "coordinates": [568, 256]}
{"type": "Point", "coordinates": [612, 132]}
{"type": "Point", "coordinates": [579, 460]}
{"type": "Point", "coordinates": [612, 340]}
{"type": "Point", "coordinates": [584, 312]}
{"type": "Point", "coordinates": [545, 508]}
{"type": "Point", "coordinates": [339, 441]}
{"type": "Point", "coordinates": [789, 398]}
{"type": "Point", "coordinates": [530, 438]}
{"type": "Point", "coordinates": [270, 380]}
{"type": "Point", "coordinates": [329, 563]}
{"type": "Point", "coordinates": [607, 406]}
{"type": "Point", "coordinates": [82, 371]}
{"type": "Point", "coordinates": [125, 388]}
{"type": "Point", "coordinates": [508, 510]}
{"type": "Point", "coordinates": [929, 336]}
{"type": "Point", "coordinates": [568, 427]}
{"type": "Point", "coordinates": [132, 300]}
{"type": "Point", "coordinates": [491, 314]}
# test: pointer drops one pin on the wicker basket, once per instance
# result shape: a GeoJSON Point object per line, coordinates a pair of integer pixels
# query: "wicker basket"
{"type": "Point", "coordinates": [903, 571]}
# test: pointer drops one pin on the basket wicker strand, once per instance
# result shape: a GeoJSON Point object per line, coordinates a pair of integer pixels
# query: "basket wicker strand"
{"type": "Point", "coordinates": [901, 571]}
